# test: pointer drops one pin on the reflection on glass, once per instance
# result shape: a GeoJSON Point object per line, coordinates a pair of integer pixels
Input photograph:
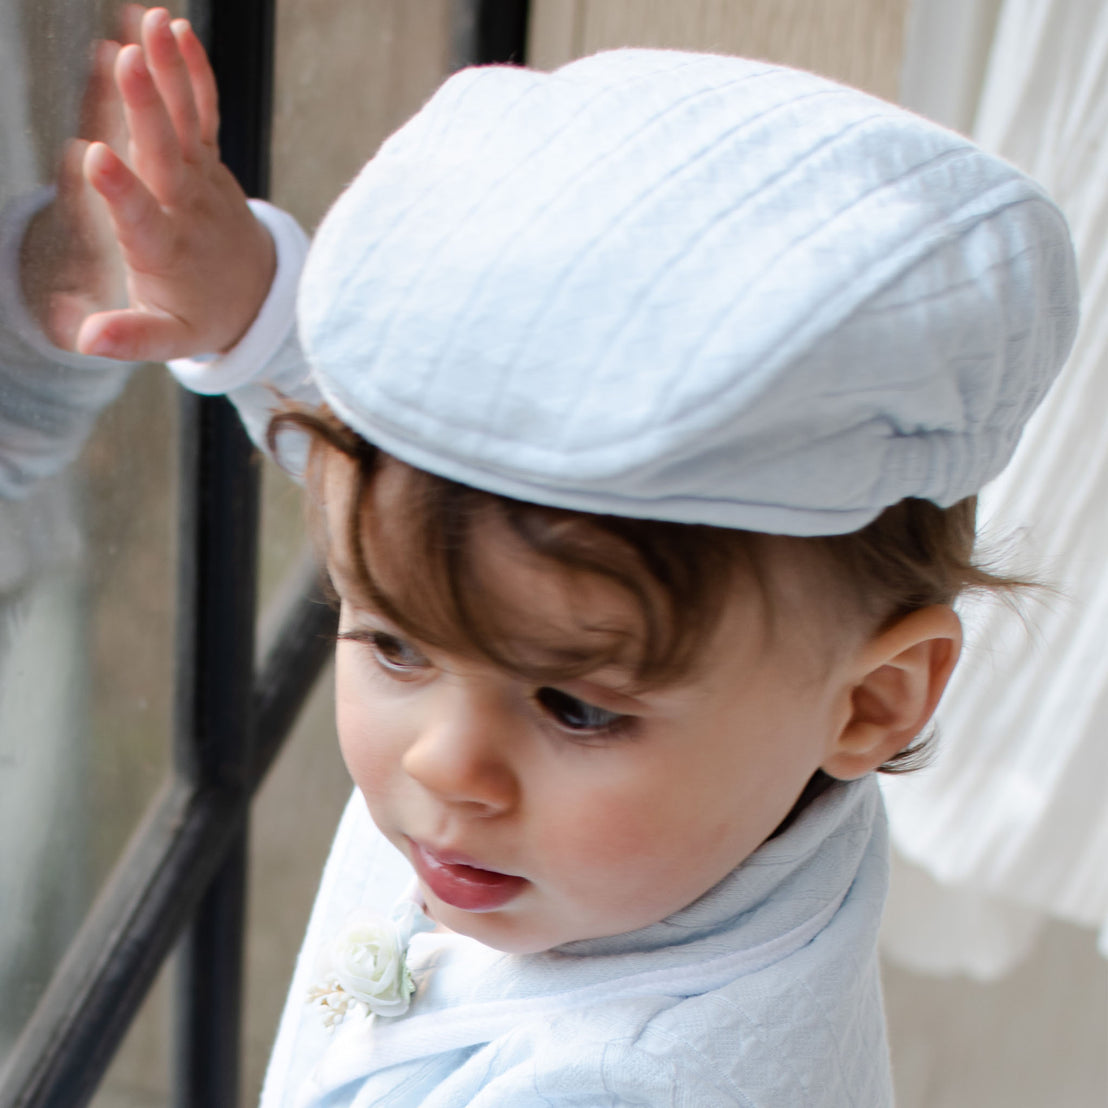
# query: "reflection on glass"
{"type": "Point", "coordinates": [86, 511]}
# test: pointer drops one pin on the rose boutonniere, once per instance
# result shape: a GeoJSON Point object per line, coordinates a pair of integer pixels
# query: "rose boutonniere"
{"type": "Point", "coordinates": [366, 966]}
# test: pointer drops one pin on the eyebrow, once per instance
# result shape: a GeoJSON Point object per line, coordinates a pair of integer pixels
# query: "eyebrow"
{"type": "Point", "coordinates": [548, 662]}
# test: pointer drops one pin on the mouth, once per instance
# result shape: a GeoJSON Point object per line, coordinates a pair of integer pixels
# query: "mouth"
{"type": "Point", "coordinates": [454, 880]}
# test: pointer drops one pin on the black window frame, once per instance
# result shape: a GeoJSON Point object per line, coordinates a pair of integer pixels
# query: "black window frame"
{"type": "Point", "coordinates": [182, 879]}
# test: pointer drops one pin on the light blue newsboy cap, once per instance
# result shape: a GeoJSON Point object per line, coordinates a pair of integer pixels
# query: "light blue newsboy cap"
{"type": "Point", "coordinates": [689, 287]}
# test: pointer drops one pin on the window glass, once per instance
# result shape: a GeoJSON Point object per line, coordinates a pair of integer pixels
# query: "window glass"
{"type": "Point", "coordinates": [87, 520]}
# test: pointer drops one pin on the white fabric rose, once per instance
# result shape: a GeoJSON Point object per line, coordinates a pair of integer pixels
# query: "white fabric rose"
{"type": "Point", "coordinates": [368, 961]}
{"type": "Point", "coordinates": [365, 967]}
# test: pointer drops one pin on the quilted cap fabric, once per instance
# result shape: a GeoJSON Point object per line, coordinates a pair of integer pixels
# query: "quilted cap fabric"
{"type": "Point", "coordinates": [689, 287]}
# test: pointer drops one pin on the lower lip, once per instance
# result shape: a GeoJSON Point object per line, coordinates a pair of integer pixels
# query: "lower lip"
{"type": "Point", "coordinates": [462, 886]}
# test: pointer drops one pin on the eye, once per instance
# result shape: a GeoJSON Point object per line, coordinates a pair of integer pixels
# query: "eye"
{"type": "Point", "coordinates": [395, 656]}
{"type": "Point", "coordinates": [577, 715]}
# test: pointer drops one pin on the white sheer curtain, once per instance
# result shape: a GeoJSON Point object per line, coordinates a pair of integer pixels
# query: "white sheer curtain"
{"type": "Point", "coordinates": [1011, 822]}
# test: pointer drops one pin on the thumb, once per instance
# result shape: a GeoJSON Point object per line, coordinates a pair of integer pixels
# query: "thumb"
{"type": "Point", "coordinates": [133, 335]}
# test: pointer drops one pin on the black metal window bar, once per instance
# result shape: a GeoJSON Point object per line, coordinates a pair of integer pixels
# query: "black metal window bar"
{"type": "Point", "coordinates": [182, 878]}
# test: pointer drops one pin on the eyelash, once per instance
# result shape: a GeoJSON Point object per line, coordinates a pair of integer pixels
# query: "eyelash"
{"type": "Point", "coordinates": [558, 706]}
{"type": "Point", "coordinates": [569, 713]}
{"type": "Point", "coordinates": [387, 650]}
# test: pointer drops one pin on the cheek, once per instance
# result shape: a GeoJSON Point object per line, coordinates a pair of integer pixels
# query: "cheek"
{"type": "Point", "coordinates": [683, 820]}
{"type": "Point", "coordinates": [605, 837]}
{"type": "Point", "coordinates": [626, 862]}
{"type": "Point", "coordinates": [615, 829]}
{"type": "Point", "coordinates": [368, 731]}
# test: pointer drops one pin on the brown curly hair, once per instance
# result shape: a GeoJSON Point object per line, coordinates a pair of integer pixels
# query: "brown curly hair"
{"type": "Point", "coordinates": [912, 556]}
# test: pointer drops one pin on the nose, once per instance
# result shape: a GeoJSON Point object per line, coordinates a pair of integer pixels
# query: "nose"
{"type": "Point", "coordinates": [462, 753]}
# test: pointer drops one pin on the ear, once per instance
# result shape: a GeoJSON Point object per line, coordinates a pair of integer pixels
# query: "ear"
{"type": "Point", "coordinates": [899, 677]}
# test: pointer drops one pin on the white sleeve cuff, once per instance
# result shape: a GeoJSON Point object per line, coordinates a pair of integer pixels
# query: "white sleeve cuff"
{"type": "Point", "coordinates": [217, 374]}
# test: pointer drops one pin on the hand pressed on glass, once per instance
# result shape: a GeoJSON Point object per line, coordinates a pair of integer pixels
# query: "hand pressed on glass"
{"type": "Point", "coordinates": [198, 265]}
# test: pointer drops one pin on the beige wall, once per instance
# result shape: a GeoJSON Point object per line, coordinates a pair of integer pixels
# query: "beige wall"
{"type": "Point", "coordinates": [350, 73]}
{"type": "Point", "coordinates": [347, 74]}
{"type": "Point", "coordinates": [856, 41]}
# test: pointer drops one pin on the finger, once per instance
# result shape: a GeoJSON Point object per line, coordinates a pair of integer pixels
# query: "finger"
{"type": "Point", "coordinates": [77, 204]}
{"type": "Point", "coordinates": [130, 23]}
{"type": "Point", "coordinates": [101, 107]}
{"type": "Point", "coordinates": [61, 318]}
{"type": "Point", "coordinates": [70, 183]}
{"type": "Point", "coordinates": [172, 78]}
{"type": "Point", "coordinates": [133, 335]}
{"type": "Point", "coordinates": [204, 91]}
{"type": "Point", "coordinates": [155, 149]}
{"type": "Point", "coordinates": [141, 227]}
{"type": "Point", "coordinates": [86, 219]}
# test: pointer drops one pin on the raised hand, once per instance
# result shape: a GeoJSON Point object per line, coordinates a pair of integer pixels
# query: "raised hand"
{"type": "Point", "coordinates": [197, 263]}
{"type": "Point", "coordinates": [70, 265]}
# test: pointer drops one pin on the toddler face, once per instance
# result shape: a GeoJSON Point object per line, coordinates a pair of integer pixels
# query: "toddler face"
{"type": "Point", "coordinates": [536, 815]}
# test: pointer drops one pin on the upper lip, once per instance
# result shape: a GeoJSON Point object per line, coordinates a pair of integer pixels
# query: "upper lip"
{"type": "Point", "coordinates": [451, 857]}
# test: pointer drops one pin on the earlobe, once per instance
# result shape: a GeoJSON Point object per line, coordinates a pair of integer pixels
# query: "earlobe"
{"type": "Point", "coordinates": [900, 676]}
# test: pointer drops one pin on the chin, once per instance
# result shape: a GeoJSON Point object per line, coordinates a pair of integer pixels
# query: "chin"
{"type": "Point", "coordinates": [499, 934]}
